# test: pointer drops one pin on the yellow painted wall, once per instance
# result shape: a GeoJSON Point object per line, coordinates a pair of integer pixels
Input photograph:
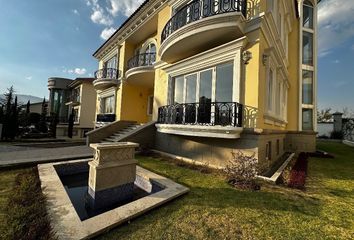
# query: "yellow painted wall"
{"type": "Point", "coordinates": [87, 105]}
{"type": "Point", "coordinates": [294, 95]}
{"type": "Point", "coordinates": [134, 103]}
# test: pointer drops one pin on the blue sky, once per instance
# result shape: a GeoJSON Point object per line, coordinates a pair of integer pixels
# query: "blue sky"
{"type": "Point", "coordinates": [44, 38]}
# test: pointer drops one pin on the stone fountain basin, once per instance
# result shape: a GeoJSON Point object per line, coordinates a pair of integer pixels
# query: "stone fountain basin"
{"type": "Point", "coordinates": [66, 221]}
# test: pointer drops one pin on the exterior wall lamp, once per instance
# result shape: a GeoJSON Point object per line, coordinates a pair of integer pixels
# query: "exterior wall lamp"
{"type": "Point", "coordinates": [246, 56]}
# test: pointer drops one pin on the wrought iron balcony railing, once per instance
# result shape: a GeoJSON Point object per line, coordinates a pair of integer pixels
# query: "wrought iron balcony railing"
{"type": "Point", "coordinates": [141, 60]}
{"type": "Point", "coordinates": [202, 113]}
{"type": "Point", "coordinates": [200, 9]}
{"type": "Point", "coordinates": [105, 117]}
{"type": "Point", "coordinates": [109, 73]}
{"type": "Point", "coordinates": [73, 98]}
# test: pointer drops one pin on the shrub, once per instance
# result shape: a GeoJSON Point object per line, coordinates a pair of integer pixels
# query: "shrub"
{"type": "Point", "coordinates": [337, 135]}
{"type": "Point", "coordinates": [298, 173]}
{"type": "Point", "coordinates": [241, 169]}
{"type": "Point", "coordinates": [27, 216]}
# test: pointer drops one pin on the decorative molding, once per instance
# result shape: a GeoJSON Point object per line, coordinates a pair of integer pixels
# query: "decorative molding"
{"type": "Point", "coordinates": [200, 131]}
{"type": "Point", "coordinates": [212, 57]}
{"type": "Point", "coordinates": [138, 20]}
{"type": "Point", "coordinates": [225, 20]}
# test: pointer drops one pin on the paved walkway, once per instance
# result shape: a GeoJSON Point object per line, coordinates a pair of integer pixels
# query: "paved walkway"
{"type": "Point", "coordinates": [43, 155]}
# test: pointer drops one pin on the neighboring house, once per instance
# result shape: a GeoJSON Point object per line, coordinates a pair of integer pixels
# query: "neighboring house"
{"type": "Point", "coordinates": [216, 75]}
{"type": "Point", "coordinates": [76, 97]}
{"type": "Point", "coordinates": [35, 107]}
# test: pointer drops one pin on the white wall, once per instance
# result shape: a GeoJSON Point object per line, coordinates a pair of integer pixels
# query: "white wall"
{"type": "Point", "coordinates": [324, 129]}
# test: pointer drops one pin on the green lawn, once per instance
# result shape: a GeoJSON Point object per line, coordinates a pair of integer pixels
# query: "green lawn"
{"type": "Point", "coordinates": [214, 210]}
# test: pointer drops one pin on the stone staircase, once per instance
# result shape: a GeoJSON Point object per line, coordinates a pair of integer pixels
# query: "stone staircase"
{"type": "Point", "coordinates": [123, 133]}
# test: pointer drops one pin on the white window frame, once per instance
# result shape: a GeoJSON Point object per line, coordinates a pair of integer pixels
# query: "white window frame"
{"type": "Point", "coordinates": [308, 67]}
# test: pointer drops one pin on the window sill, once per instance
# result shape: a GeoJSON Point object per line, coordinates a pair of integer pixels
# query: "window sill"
{"type": "Point", "coordinates": [273, 120]}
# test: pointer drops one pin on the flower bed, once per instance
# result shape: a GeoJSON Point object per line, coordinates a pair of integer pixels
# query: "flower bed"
{"type": "Point", "coordinates": [299, 172]}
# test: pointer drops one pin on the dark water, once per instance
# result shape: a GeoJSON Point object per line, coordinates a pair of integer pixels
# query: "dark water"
{"type": "Point", "coordinates": [76, 186]}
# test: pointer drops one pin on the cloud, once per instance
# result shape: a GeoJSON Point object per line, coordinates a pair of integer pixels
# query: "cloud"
{"type": "Point", "coordinates": [29, 78]}
{"type": "Point", "coordinates": [335, 24]}
{"type": "Point", "coordinates": [98, 16]}
{"type": "Point", "coordinates": [336, 61]}
{"type": "Point", "coordinates": [76, 12]}
{"type": "Point", "coordinates": [78, 71]}
{"type": "Point", "coordinates": [107, 32]}
{"type": "Point", "coordinates": [104, 12]}
{"type": "Point", "coordinates": [352, 48]}
{"type": "Point", "coordinates": [125, 7]}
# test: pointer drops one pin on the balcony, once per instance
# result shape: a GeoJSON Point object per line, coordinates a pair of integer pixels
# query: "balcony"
{"type": "Point", "coordinates": [202, 25]}
{"type": "Point", "coordinates": [105, 78]}
{"type": "Point", "coordinates": [73, 100]}
{"type": "Point", "coordinates": [203, 119]}
{"type": "Point", "coordinates": [140, 69]}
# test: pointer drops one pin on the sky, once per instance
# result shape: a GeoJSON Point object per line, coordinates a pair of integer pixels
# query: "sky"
{"type": "Point", "coordinates": [45, 38]}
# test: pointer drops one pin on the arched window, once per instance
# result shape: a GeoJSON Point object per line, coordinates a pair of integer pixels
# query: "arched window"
{"type": "Point", "coordinates": [149, 54]}
{"type": "Point", "coordinates": [151, 48]}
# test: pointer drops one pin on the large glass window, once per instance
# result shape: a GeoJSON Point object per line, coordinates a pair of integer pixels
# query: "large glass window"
{"type": "Point", "coordinates": [111, 63]}
{"type": "Point", "coordinates": [307, 119]}
{"type": "Point", "coordinates": [108, 104]}
{"type": "Point", "coordinates": [203, 88]}
{"type": "Point", "coordinates": [205, 95]}
{"type": "Point", "coordinates": [179, 88]}
{"type": "Point", "coordinates": [270, 90]}
{"type": "Point", "coordinates": [308, 15]}
{"type": "Point", "coordinates": [278, 100]}
{"type": "Point", "coordinates": [307, 57]}
{"type": "Point", "coordinates": [307, 87]}
{"type": "Point", "coordinates": [191, 88]}
{"type": "Point", "coordinates": [224, 83]}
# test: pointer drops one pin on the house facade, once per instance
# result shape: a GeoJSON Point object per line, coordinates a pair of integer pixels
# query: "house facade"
{"type": "Point", "coordinates": [213, 76]}
{"type": "Point", "coordinates": [77, 97]}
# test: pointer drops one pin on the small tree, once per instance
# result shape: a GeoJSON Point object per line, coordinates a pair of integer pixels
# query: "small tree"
{"type": "Point", "coordinates": [42, 125]}
{"type": "Point", "coordinates": [242, 169]}
{"type": "Point", "coordinates": [28, 107]}
{"type": "Point", "coordinates": [324, 115]}
{"type": "Point", "coordinates": [1, 113]}
{"type": "Point", "coordinates": [9, 131]}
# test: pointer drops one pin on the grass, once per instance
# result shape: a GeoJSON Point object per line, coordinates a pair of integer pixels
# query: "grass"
{"type": "Point", "coordinates": [24, 209]}
{"type": "Point", "coordinates": [214, 210]}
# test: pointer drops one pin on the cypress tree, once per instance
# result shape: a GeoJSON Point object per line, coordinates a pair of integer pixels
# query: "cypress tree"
{"type": "Point", "coordinates": [43, 121]}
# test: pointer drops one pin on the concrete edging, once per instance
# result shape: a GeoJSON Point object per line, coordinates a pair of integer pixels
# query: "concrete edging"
{"type": "Point", "coordinates": [277, 174]}
{"type": "Point", "coordinates": [66, 222]}
{"type": "Point", "coordinates": [348, 143]}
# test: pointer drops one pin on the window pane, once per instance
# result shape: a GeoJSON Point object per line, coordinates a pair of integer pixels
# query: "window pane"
{"type": "Point", "coordinates": [204, 108]}
{"type": "Point", "coordinates": [205, 86]}
{"type": "Point", "coordinates": [307, 119]}
{"type": "Point", "coordinates": [179, 87]}
{"type": "Point", "coordinates": [224, 83]}
{"type": "Point", "coordinates": [191, 84]}
{"type": "Point", "coordinates": [270, 90]}
{"type": "Point", "coordinates": [111, 63]}
{"type": "Point", "coordinates": [307, 87]}
{"type": "Point", "coordinates": [308, 17]}
{"type": "Point", "coordinates": [109, 104]}
{"type": "Point", "coordinates": [307, 48]}
{"type": "Point", "coordinates": [278, 89]}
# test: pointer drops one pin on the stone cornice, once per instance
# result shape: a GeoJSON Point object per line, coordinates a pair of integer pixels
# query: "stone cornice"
{"type": "Point", "coordinates": [147, 12]}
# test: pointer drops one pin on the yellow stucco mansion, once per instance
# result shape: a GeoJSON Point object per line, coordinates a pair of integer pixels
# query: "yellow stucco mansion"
{"type": "Point", "coordinates": [201, 78]}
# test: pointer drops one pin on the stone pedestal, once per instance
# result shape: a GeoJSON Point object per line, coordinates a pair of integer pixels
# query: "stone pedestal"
{"type": "Point", "coordinates": [112, 174]}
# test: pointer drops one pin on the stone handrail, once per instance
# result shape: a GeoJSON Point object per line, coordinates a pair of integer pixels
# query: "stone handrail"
{"type": "Point", "coordinates": [99, 134]}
